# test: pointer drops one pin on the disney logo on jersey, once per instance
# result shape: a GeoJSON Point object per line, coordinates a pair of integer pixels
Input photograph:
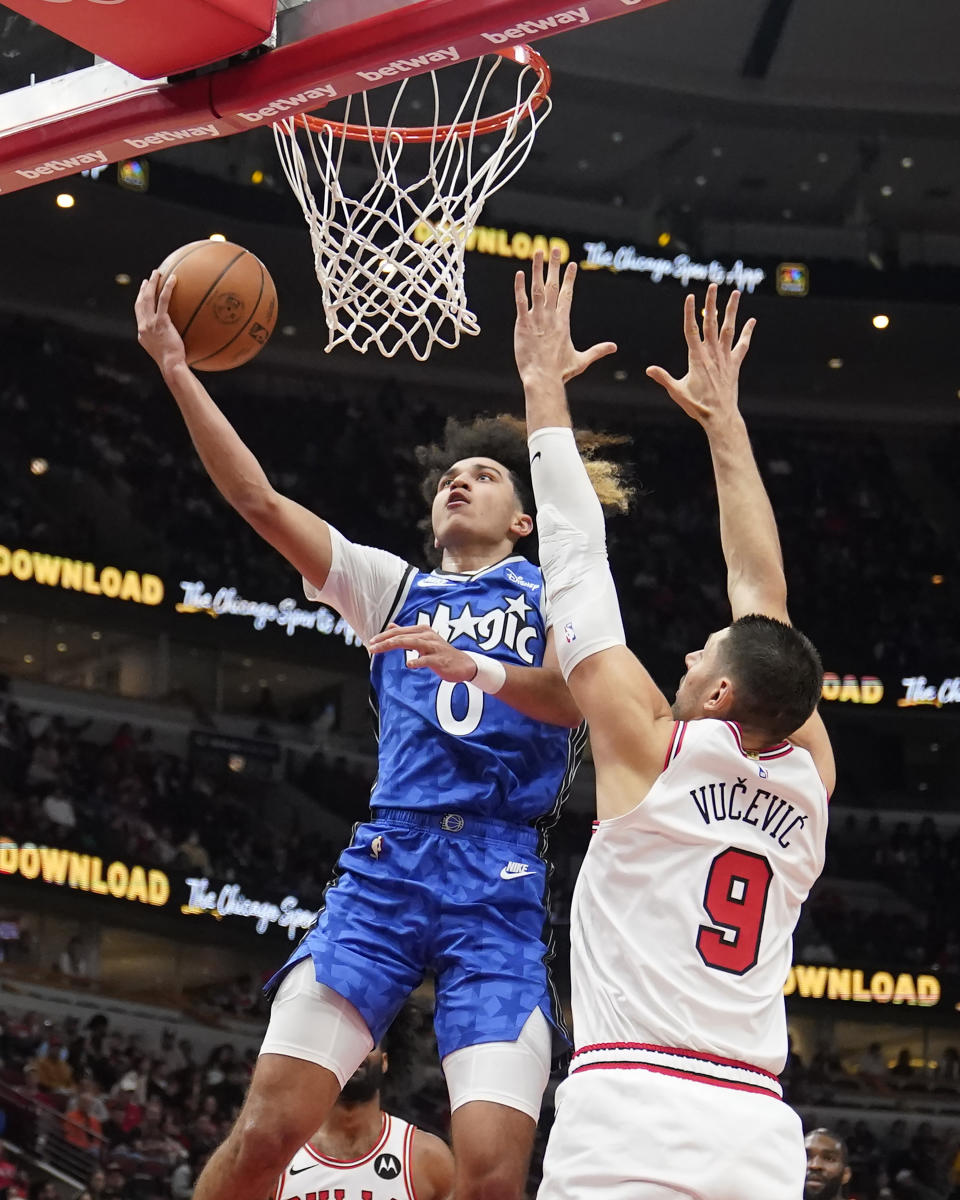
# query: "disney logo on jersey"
{"type": "Point", "coordinates": [505, 626]}
{"type": "Point", "coordinates": [529, 584]}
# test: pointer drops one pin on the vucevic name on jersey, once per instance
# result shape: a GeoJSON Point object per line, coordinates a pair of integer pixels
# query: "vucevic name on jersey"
{"type": "Point", "coordinates": [474, 754]}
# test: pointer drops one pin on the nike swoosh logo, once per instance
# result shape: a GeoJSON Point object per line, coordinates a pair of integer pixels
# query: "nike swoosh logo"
{"type": "Point", "coordinates": [300, 1170]}
{"type": "Point", "coordinates": [535, 457]}
{"type": "Point", "coordinates": [513, 873]}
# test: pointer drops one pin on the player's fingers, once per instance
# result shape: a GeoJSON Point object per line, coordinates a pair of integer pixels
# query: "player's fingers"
{"type": "Point", "coordinates": [520, 294]}
{"type": "Point", "coordinates": [729, 326]}
{"type": "Point", "coordinates": [163, 300]}
{"type": "Point", "coordinates": [565, 297]}
{"type": "Point", "coordinates": [596, 352]}
{"type": "Point", "coordinates": [691, 330]}
{"type": "Point", "coordinates": [743, 343]}
{"type": "Point", "coordinates": [537, 286]}
{"type": "Point", "coordinates": [710, 322]}
{"type": "Point", "coordinates": [664, 378]}
{"type": "Point", "coordinates": [553, 271]}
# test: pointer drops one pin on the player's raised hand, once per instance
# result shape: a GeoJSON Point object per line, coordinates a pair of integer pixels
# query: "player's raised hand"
{"type": "Point", "coordinates": [708, 391]}
{"type": "Point", "coordinates": [542, 342]}
{"type": "Point", "coordinates": [156, 333]}
{"type": "Point", "coordinates": [433, 651]}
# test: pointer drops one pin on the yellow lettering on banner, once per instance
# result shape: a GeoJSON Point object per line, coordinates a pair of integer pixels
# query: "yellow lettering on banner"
{"type": "Point", "coordinates": [791, 985]}
{"type": "Point", "coordinates": [111, 581]}
{"type": "Point", "coordinates": [130, 587]}
{"type": "Point", "coordinates": [80, 871]}
{"type": "Point", "coordinates": [53, 864]}
{"type": "Point", "coordinates": [503, 244]}
{"type": "Point", "coordinates": [46, 569]}
{"type": "Point", "coordinates": [90, 585]}
{"type": "Point", "coordinates": [59, 867]}
{"type": "Point", "coordinates": [838, 984]}
{"type": "Point", "coordinates": [520, 245]}
{"type": "Point", "coordinates": [71, 575]}
{"type": "Point", "coordinates": [557, 243]}
{"type": "Point", "coordinates": [850, 689]}
{"type": "Point", "coordinates": [831, 686]}
{"type": "Point", "coordinates": [928, 991]}
{"type": "Point", "coordinates": [871, 690]}
{"type": "Point", "coordinates": [4, 561]}
{"type": "Point", "coordinates": [486, 240]}
{"type": "Point", "coordinates": [159, 888]}
{"type": "Point", "coordinates": [117, 879]}
{"type": "Point", "coordinates": [21, 564]}
{"type": "Point", "coordinates": [152, 589]}
{"type": "Point", "coordinates": [96, 882]}
{"type": "Point", "coordinates": [138, 885]}
{"type": "Point", "coordinates": [905, 991]}
{"type": "Point", "coordinates": [860, 993]}
{"type": "Point", "coordinates": [29, 862]}
{"type": "Point", "coordinates": [882, 987]}
{"type": "Point", "coordinates": [811, 982]}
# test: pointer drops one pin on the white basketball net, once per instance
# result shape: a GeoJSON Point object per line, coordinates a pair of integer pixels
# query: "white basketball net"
{"type": "Point", "coordinates": [391, 262]}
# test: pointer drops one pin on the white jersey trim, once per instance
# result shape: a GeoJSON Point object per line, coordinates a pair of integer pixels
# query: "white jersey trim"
{"type": "Point", "coordinates": [346, 1164]}
{"type": "Point", "coordinates": [682, 1064]}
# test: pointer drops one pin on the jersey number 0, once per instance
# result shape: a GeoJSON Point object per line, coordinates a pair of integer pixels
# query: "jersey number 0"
{"type": "Point", "coordinates": [735, 899]}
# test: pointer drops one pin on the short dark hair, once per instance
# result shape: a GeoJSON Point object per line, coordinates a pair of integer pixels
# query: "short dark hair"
{"type": "Point", "coordinates": [777, 673]}
{"type": "Point", "coordinates": [822, 1131]}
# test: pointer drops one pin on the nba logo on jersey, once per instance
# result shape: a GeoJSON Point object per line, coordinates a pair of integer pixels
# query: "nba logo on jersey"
{"type": "Point", "coordinates": [569, 633]}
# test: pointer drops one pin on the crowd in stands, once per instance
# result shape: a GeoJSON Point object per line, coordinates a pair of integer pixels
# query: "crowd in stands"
{"type": "Point", "coordinates": [857, 538]}
{"type": "Point", "coordinates": [128, 800]}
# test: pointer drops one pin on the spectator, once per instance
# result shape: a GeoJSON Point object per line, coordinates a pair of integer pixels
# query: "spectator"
{"type": "Point", "coordinates": [872, 1070]}
{"type": "Point", "coordinates": [52, 1073]}
{"type": "Point", "coordinates": [80, 1127]}
{"type": "Point", "coordinates": [73, 961]}
{"type": "Point", "coordinates": [193, 855]}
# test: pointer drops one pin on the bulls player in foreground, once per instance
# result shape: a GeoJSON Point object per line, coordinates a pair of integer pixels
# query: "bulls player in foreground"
{"type": "Point", "coordinates": [363, 1153]}
{"type": "Point", "coordinates": [478, 740]}
{"type": "Point", "coordinates": [712, 816]}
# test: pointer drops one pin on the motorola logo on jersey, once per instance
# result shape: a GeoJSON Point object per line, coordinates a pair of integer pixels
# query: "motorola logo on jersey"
{"type": "Point", "coordinates": [387, 1166]}
{"type": "Point", "coordinates": [506, 626]}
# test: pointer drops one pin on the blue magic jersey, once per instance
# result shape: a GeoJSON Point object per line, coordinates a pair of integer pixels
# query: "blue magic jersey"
{"type": "Point", "coordinates": [449, 746]}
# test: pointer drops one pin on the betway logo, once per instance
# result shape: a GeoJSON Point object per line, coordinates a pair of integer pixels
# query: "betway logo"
{"type": "Point", "coordinates": [276, 108]}
{"type": "Point", "coordinates": [163, 137]}
{"type": "Point", "coordinates": [404, 66]}
{"type": "Point", "coordinates": [56, 165]}
{"type": "Point", "coordinates": [570, 16]}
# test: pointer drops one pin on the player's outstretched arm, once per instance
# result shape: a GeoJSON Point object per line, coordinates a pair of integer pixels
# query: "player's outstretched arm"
{"type": "Point", "coordinates": [300, 536]}
{"type": "Point", "coordinates": [431, 1167]}
{"type": "Point", "coordinates": [629, 718]}
{"type": "Point", "coordinates": [709, 393]}
{"type": "Point", "coordinates": [537, 692]}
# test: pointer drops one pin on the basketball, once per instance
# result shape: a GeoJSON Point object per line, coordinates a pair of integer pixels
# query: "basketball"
{"type": "Point", "coordinates": [224, 304]}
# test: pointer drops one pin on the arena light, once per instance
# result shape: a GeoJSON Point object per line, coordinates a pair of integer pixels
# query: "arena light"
{"type": "Point", "coordinates": [61, 647]}
{"type": "Point", "coordinates": [28, 659]}
{"type": "Point", "coordinates": [65, 200]}
{"type": "Point", "coordinates": [881, 321]}
{"type": "Point", "coordinates": [936, 580]}
{"type": "Point", "coordinates": [96, 635]}
{"type": "Point", "coordinates": [256, 176]}
{"type": "Point", "coordinates": [835, 364]}
{"type": "Point", "coordinates": [38, 466]}
{"type": "Point", "coordinates": [664, 239]}
{"type": "Point", "coordinates": [122, 278]}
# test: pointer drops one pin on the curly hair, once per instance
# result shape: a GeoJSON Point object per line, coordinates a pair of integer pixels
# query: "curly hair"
{"type": "Point", "coordinates": [504, 439]}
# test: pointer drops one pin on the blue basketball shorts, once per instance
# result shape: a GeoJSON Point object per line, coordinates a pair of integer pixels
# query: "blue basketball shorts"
{"type": "Point", "coordinates": [461, 896]}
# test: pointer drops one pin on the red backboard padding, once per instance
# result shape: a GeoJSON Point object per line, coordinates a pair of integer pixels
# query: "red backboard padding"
{"type": "Point", "coordinates": [152, 39]}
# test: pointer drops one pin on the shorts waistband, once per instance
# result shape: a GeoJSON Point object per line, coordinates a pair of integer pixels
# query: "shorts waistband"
{"type": "Point", "coordinates": [464, 824]}
{"type": "Point", "coordinates": [682, 1064]}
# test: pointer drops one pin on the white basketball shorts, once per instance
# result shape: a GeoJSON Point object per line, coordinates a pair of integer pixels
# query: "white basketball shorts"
{"type": "Point", "coordinates": [633, 1134]}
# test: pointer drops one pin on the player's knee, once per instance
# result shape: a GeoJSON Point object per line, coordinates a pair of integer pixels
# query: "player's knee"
{"type": "Point", "coordinates": [262, 1143]}
{"type": "Point", "coordinates": [487, 1178]}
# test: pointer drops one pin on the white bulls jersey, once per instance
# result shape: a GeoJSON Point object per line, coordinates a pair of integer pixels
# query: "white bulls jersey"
{"type": "Point", "coordinates": [385, 1173]}
{"type": "Point", "coordinates": [684, 911]}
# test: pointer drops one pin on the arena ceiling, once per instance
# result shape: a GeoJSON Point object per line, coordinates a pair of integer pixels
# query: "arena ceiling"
{"type": "Point", "coordinates": [778, 129]}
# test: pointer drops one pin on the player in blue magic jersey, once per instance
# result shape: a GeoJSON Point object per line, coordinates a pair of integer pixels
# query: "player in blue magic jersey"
{"type": "Point", "coordinates": [478, 741]}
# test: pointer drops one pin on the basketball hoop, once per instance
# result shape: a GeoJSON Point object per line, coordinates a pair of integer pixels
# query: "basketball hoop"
{"type": "Point", "coordinates": [391, 262]}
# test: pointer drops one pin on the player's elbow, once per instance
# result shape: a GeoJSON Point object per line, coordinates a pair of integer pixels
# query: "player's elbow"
{"type": "Point", "coordinates": [259, 505]}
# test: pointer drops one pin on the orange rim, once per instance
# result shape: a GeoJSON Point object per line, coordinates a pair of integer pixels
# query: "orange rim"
{"type": "Point", "coordinates": [524, 56]}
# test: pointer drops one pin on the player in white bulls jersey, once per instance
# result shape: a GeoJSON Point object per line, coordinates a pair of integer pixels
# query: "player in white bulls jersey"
{"type": "Point", "coordinates": [712, 815]}
{"type": "Point", "coordinates": [363, 1153]}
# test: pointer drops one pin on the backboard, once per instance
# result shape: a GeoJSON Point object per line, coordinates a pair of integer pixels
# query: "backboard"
{"type": "Point", "coordinates": [90, 115]}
